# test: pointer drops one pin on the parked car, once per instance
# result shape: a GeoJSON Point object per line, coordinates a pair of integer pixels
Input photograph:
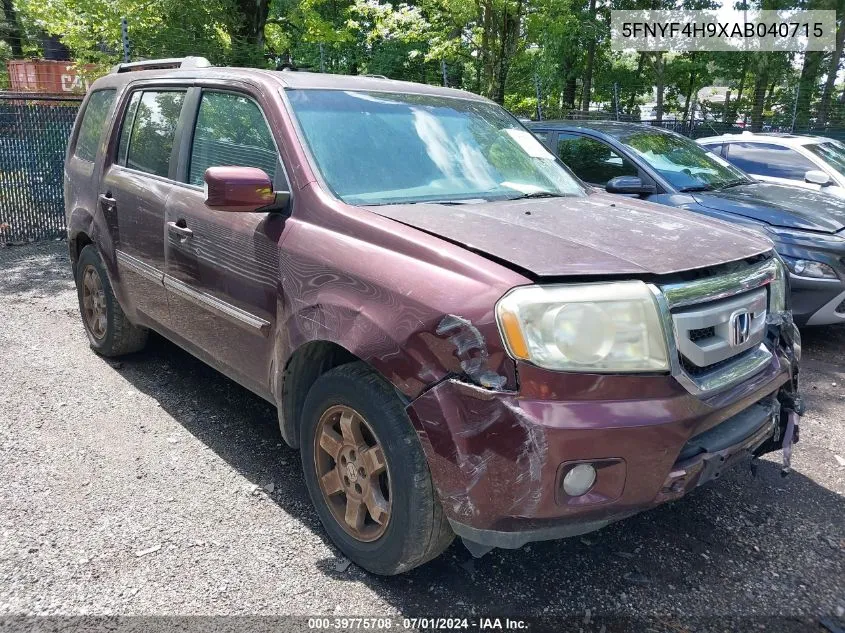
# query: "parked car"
{"type": "Point", "coordinates": [670, 169]}
{"type": "Point", "coordinates": [812, 162]}
{"type": "Point", "coordinates": [458, 335]}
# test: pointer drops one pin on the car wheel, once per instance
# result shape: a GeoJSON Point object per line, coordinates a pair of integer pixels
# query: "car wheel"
{"type": "Point", "coordinates": [109, 331]}
{"type": "Point", "coordinates": [367, 475]}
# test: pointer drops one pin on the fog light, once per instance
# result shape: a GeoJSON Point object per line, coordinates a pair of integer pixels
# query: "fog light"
{"type": "Point", "coordinates": [579, 480]}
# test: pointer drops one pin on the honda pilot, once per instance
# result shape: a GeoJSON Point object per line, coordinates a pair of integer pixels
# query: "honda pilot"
{"type": "Point", "coordinates": [459, 336]}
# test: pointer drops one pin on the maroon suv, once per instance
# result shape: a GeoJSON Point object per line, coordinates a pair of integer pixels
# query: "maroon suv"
{"type": "Point", "coordinates": [459, 335]}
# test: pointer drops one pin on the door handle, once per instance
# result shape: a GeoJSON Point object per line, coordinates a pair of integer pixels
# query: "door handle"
{"type": "Point", "coordinates": [182, 231]}
{"type": "Point", "coordinates": [107, 201]}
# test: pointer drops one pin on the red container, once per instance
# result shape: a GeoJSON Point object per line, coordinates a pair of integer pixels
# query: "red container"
{"type": "Point", "coordinates": [52, 77]}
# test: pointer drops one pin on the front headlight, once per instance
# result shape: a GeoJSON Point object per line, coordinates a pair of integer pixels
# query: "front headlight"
{"type": "Point", "coordinates": [603, 327]}
{"type": "Point", "coordinates": [777, 289]}
{"type": "Point", "coordinates": [809, 268]}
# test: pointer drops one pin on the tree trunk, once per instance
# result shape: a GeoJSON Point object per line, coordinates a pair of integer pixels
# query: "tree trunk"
{"type": "Point", "coordinates": [659, 84]}
{"type": "Point", "coordinates": [13, 36]}
{"type": "Point", "coordinates": [726, 109]}
{"type": "Point", "coordinates": [247, 30]}
{"type": "Point", "coordinates": [833, 67]}
{"type": "Point", "coordinates": [733, 111]}
{"type": "Point", "coordinates": [511, 23]}
{"type": "Point", "coordinates": [770, 94]}
{"type": "Point", "coordinates": [690, 89]}
{"type": "Point", "coordinates": [570, 85]}
{"type": "Point", "coordinates": [806, 87]}
{"type": "Point", "coordinates": [487, 39]}
{"type": "Point", "coordinates": [761, 82]}
{"type": "Point", "coordinates": [632, 100]}
{"type": "Point", "coordinates": [591, 56]}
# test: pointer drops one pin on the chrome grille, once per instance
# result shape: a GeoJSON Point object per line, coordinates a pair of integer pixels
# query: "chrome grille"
{"type": "Point", "coordinates": [709, 352]}
{"type": "Point", "coordinates": [702, 333]}
{"type": "Point", "coordinates": [720, 316]}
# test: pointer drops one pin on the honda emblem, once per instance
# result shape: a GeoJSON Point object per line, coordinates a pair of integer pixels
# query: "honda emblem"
{"type": "Point", "coordinates": [739, 327]}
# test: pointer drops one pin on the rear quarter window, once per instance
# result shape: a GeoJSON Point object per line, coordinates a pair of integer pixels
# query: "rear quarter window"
{"type": "Point", "coordinates": [94, 123]}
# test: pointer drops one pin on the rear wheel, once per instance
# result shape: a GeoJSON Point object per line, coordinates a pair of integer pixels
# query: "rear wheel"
{"type": "Point", "coordinates": [109, 331]}
{"type": "Point", "coordinates": [367, 475]}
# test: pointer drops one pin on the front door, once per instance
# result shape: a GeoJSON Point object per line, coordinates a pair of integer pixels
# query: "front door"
{"type": "Point", "coordinates": [135, 189]}
{"type": "Point", "coordinates": [223, 267]}
{"type": "Point", "coordinates": [593, 161]}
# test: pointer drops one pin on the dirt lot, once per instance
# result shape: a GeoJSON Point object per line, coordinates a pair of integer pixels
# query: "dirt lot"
{"type": "Point", "coordinates": [154, 485]}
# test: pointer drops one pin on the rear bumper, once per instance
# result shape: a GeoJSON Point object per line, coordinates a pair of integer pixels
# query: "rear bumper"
{"type": "Point", "coordinates": [498, 458]}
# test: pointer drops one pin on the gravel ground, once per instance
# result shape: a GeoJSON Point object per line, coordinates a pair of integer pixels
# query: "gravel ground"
{"type": "Point", "coordinates": [154, 486]}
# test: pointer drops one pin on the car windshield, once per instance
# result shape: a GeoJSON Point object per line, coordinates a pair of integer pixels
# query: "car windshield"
{"type": "Point", "coordinates": [386, 148]}
{"type": "Point", "coordinates": [831, 152]}
{"type": "Point", "coordinates": [685, 164]}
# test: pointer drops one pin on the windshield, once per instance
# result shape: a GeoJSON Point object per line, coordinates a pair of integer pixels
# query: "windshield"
{"type": "Point", "coordinates": [385, 148]}
{"type": "Point", "coordinates": [831, 152]}
{"type": "Point", "coordinates": [685, 164]}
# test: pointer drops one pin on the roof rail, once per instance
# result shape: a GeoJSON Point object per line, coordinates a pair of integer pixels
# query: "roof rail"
{"type": "Point", "coordinates": [163, 64]}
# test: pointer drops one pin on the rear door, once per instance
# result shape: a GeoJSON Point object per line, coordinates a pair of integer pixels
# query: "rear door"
{"type": "Point", "coordinates": [134, 190]}
{"type": "Point", "coordinates": [81, 172]}
{"type": "Point", "coordinates": [223, 267]}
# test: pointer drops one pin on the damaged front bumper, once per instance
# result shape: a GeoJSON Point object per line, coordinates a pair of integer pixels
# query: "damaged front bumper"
{"type": "Point", "coordinates": [498, 458]}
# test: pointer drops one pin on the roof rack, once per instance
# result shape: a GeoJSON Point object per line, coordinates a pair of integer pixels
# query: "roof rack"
{"type": "Point", "coordinates": [163, 64]}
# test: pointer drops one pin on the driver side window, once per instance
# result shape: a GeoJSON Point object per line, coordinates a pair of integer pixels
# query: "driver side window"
{"type": "Point", "coordinates": [231, 131]}
{"type": "Point", "coordinates": [591, 160]}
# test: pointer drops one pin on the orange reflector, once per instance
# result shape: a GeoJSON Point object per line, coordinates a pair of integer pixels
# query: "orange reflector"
{"type": "Point", "coordinates": [513, 335]}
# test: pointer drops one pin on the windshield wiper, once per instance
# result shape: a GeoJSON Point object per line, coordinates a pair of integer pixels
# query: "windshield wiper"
{"type": "Point", "coordinates": [696, 188]}
{"type": "Point", "coordinates": [734, 183]}
{"type": "Point", "coordinates": [447, 202]}
{"type": "Point", "coordinates": [537, 194]}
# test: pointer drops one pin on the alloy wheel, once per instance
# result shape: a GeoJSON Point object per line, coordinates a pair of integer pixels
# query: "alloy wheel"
{"type": "Point", "coordinates": [94, 302]}
{"type": "Point", "coordinates": [353, 473]}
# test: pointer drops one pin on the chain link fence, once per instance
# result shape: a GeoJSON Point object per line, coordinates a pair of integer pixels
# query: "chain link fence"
{"type": "Point", "coordinates": [34, 130]}
{"type": "Point", "coordinates": [38, 109]}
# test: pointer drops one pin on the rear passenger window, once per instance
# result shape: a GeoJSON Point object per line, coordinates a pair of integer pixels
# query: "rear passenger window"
{"type": "Point", "coordinates": [230, 131]}
{"type": "Point", "coordinates": [153, 130]}
{"type": "Point", "coordinates": [591, 160]}
{"type": "Point", "coordinates": [93, 124]}
{"type": "Point", "coordinates": [714, 148]}
{"type": "Point", "coordinates": [767, 159]}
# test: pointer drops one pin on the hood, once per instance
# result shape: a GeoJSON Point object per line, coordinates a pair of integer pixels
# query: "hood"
{"type": "Point", "coordinates": [599, 234]}
{"type": "Point", "coordinates": [779, 205]}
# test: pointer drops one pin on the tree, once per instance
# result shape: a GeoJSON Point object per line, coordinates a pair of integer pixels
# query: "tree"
{"type": "Point", "coordinates": [833, 65]}
{"type": "Point", "coordinates": [807, 84]}
{"type": "Point", "coordinates": [10, 29]}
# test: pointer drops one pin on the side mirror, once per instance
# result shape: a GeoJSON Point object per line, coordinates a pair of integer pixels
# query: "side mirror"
{"type": "Point", "coordinates": [817, 177]}
{"type": "Point", "coordinates": [629, 185]}
{"type": "Point", "coordinates": [241, 189]}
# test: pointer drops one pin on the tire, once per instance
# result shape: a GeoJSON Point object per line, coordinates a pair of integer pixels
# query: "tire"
{"type": "Point", "coordinates": [111, 334]}
{"type": "Point", "coordinates": [416, 530]}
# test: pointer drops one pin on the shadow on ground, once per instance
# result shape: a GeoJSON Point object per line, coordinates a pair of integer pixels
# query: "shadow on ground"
{"type": "Point", "coordinates": [725, 548]}
{"type": "Point", "coordinates": [741, 547]}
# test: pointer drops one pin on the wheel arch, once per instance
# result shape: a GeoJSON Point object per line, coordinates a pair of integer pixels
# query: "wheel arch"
{"type": "Point", "coordinates": [307, 363]}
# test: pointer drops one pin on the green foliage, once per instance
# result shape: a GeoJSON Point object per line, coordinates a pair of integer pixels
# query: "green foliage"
{"type": "Point", "coordinates": [508, 50]}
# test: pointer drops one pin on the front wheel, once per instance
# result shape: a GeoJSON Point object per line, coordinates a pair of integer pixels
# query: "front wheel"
{"type": "Point", "coordinates": [367, 475]}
